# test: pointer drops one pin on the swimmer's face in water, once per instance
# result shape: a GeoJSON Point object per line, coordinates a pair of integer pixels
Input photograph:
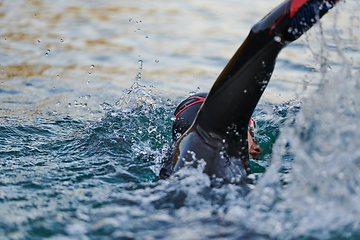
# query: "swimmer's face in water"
{"type": "Point", "coordinates": [254, 149]}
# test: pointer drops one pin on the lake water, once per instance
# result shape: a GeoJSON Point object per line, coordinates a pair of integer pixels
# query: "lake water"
{"type": "Point", "coordinates": [81, 142]}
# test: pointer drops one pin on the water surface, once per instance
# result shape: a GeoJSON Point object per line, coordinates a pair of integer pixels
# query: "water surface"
{"type": "Point", "coordinates": [82, 142]}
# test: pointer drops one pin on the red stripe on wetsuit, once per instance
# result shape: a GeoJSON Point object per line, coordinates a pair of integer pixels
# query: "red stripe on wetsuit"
{"type": "Point", "coordinates": [295, 5]}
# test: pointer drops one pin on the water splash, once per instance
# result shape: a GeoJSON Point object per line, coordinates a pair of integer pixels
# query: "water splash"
{"type": "Point", "coordinates": [142, 119]}
{"type": "Point", "coordinates": [323, 180]}
{"type": "Point", "coordinates": [317, 197]}
{"type": "Point", "coordinates": [137, 95]}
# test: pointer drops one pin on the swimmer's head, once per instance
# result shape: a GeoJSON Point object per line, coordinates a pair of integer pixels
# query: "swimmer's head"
{"type": "Point", "coordinates": [186, 112]}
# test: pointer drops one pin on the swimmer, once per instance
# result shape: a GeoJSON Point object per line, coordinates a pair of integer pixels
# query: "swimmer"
{"type": "Point", "coordinates": [218, 133]}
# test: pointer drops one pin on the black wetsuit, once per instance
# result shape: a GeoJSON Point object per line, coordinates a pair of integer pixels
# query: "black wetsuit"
{"type": "Point", "coordinates": [219, 133]}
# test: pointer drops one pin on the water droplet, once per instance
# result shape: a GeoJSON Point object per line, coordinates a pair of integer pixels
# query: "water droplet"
{"type": "Point", "coordinates": [157, 61]}
{"type": "Point", "coordinates": [34, 15]}
{"type": "Point", "coordinates": [152, 129]}
{"type": "Point", "coordinates": [47, 52]}
{"type": "Point", "coordinates": [58, 103]}
{"type": "Point", "coordinates": [245, 91]}
{"type": "Point", "coordinates": [138, 76]}
{"type": "Point", "coordinates": [147, 37]}
{"type": "Point", "coordinates": [39, 40]}
{"type": "Point", "coordinates": [168, 102]}
{"type": "Point", "coordinates": [88, 81]}
{"type": "Point", "coordinates": [87, 96]}
{"type": "Point", "coordinates": [92, 66]}
{"type": "Point", "coordinates": [130, 19]}
{"type": "Point", "coordinates": [61, 40]}
{"type": "Point", "coordinates": [173, 118]}
{"type": "Point", "coordinates": [69, 105]}
{"type": "Point", "coordinates": [58, 75]}
{"type": "Point", "coordinates": [5, 38]}
{"type": "Point", "coordinates": [277, 39]}
{"type": "Point", "coordinates": [138, 29]}
{"type": "Point", "coordinates": [90, 72]}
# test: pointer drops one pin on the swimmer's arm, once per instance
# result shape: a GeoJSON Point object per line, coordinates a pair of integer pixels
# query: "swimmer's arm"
{"type": "Point", "coordinates": [239, 87]}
